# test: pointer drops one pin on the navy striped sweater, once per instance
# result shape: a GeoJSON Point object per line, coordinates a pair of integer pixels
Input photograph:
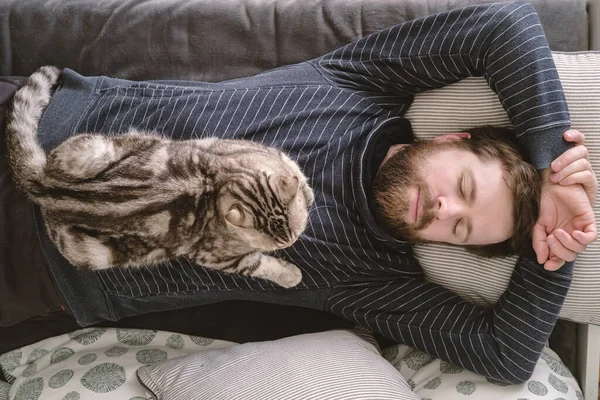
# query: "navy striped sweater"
{"type": "Point", "coordinates": [329, 114]}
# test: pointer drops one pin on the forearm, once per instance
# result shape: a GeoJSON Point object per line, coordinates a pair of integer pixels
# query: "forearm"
{"type": "Point", "coordinates": [525, 315]}
{"type": "Point", "coordinates": [503, 42]}
{"type": "Point", "coordinates": [503, 343]}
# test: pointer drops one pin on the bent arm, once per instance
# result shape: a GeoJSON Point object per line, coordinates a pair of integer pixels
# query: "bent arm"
{"type": "Point", "coordinates": [504, 42]}
{"type": "Point", "coordinates": [503, 342]}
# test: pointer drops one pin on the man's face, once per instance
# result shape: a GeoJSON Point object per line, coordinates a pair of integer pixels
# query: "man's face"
{"type": "Point", "coordinates": [449, 195]}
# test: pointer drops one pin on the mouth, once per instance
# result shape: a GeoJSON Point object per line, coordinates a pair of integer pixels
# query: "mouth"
{"type": "Point", "coordinates": [415, 206]}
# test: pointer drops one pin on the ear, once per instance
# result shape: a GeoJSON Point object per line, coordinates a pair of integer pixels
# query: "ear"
{"type": "Point", "coordinates": [451, 137]}
{"type": "Point", "coordinates": [287, 186]}
{"type": "Point", "coordinates": [235, 216]}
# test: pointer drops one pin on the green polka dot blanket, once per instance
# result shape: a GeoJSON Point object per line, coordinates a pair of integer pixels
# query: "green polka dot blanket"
{"type": "Point", "coordinates": [96, 363]}
{"type": "Point", "coordinates": [433, 379]}
{"type": "Point", "coordinates": [92, 363]}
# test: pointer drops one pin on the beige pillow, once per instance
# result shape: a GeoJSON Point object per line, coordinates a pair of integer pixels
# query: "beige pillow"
{"type": "Point", "coordinates": [472, 103]}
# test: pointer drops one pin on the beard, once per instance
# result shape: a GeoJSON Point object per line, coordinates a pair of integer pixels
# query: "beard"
{"type": "Point", "coordinates": [392, 194]}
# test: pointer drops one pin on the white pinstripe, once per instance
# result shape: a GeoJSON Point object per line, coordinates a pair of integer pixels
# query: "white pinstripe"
{"type": "Point", "coordinates": [162, 93]}
{"type": "Point", "coordinates": [216, 130]}
{"type": "Point", "coordinates": [205, 126]}
{"type": "Point", "coordinates": [236, 109]}
{"type": "Point", "coordinates": [503, 41]}
{"type": "Point", "coordinates": [192, 111]}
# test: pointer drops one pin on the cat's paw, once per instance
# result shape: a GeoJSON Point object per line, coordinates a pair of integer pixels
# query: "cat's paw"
{"type": "Point", "coordinates": [289, 276]}
{"type": "Point", "coordinates": [86, 252]}
{"type": "Point", "coordinates": [309, 196]}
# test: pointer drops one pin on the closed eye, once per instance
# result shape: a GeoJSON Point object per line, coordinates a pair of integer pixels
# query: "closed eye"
{"type": "Point", "coordinates": [463, 187]}
{"type": "Point", "coordinates": [465, 231]}
{"type": "Point", "coordinates": [455, 226]}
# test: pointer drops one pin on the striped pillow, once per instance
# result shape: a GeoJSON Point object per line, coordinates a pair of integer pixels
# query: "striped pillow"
{"type": "Point", "coordinates": [471, 103]}
{"type": "Point", "coordinates": [334, 365]}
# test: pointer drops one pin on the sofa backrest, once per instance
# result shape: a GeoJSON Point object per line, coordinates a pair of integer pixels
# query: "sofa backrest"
{"type": "Point", "coordinates": [217, 40]}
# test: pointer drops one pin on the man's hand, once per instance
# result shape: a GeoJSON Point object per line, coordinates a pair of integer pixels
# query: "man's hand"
{"type": "Point", "coordinates": [566, 224]}
{"type": "Point", "coordinates": [573, 166]}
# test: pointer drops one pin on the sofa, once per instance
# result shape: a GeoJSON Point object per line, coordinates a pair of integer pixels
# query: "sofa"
{"type": "Point", "coordinates": [214, 41]}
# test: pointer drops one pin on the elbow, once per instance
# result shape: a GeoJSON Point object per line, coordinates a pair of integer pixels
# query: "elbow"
{"type": "Point", "coordinates": [517, 23]}
{"type": "Point", "coordinates": [516, 12]}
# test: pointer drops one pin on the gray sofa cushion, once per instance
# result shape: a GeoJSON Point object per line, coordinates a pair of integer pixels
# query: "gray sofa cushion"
{"type": "Point", "coordinates": [216, 40]}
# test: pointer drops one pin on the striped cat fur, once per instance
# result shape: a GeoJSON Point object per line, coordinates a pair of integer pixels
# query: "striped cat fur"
{"type": "Point", "coordinates": [138, 199]}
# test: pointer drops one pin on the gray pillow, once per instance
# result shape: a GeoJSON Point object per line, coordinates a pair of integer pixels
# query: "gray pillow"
{"type": "Point", "coordinates": [326, 366]}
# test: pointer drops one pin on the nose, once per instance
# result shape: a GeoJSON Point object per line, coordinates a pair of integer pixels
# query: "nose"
{"type": "Point", "coordinates": [447, 208]}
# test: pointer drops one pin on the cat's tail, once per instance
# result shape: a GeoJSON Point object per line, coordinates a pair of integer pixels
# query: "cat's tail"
{"type": "Point", "coordinates": [26, 156]}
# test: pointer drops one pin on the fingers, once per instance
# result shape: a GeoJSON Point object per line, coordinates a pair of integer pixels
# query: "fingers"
{"type": "Point", "coordinates": [589, 235]}
{"type": "Point", "coordinates": [564, 247]}
{"type": "Point", "coordinates": [574, 136]}
{"type": "Point", "coordinates": [568, 241]}
{"type": "Point", "coordinates": [538, 241]}
{"type": "Point", "coordinates": [579, 165]}
{"type": "Point", "coordinates": [574, 167]}
{"type": "Point", "coordinates": [559, 249]}
{"type": "Point", "coordinates": [568, 157]}
{"type": "Point", "coordinates": [586, 178]}
{"type": "Point", "coordinates": [553, 264]}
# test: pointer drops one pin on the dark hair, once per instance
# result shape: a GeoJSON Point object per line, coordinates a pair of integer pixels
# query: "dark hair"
{"type": "Point", "coordinates": [493, 143]}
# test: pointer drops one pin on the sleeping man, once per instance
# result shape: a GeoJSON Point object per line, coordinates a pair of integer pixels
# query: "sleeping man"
{"type": "Point", "coordinates": [340, 117]}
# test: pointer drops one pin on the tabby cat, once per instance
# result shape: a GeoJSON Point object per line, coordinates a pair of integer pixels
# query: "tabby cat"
{"type": "Point", "coordinates": [139, 199]}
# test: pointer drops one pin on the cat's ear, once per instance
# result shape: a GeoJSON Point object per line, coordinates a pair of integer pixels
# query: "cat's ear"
{"type": "Point", "coordinates": [287, 186]}
{"type": "Point", "coordinates": [237, 216]}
